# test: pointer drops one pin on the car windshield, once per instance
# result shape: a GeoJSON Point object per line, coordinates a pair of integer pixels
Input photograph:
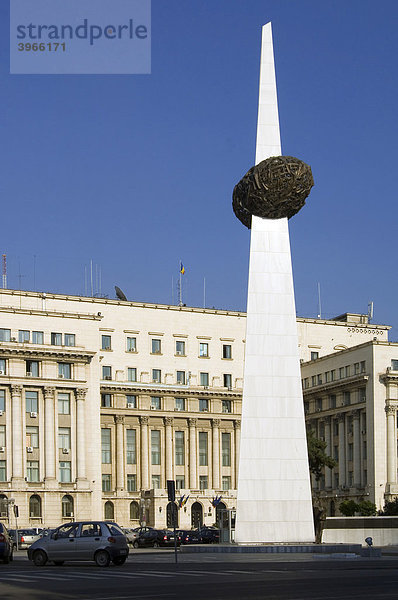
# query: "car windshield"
{"type": "Point", "coordinates": [114, 529]}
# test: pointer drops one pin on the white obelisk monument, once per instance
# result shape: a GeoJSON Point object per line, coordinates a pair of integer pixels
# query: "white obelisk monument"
{"type": "Point", "coordinates": [274, 494]}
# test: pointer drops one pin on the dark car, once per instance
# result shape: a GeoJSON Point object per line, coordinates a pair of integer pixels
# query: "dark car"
{"type": "Point", "coordinates": [189, 536]}
{"type": "Point", "coordinates": [208, 535]}
{"type": "Point", "coordinates": [155, 538]}
{"type": "Point", "coordinates": [6, 545]}
{"type": "Point", "coordinates": [84, 540]}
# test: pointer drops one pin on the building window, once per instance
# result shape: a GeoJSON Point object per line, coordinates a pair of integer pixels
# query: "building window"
{"type": "Point", "coordinates": [346, 398]}
{"type": "Point", "coordinates": [64, 437]}
{"type": "Point", "coordinates": [327, 376]}
{"type": "Point", "coordinates": [156, 482]}
{"type": "Point", "coordinates": [131, 374]}
{"type": "Point", "coordinates": [226, 449]}
{"type": "Point", "coordinates": [362, 395]}
{"type": "Point", "coordinates": [5, 335]}
{"type": "Point", "coordinates": [356, 368]}
{"type": "Point", "coordinates": [180, 482]}
{"type": "Point", "coordinates": [226, 406]}
{"type": "Point", "coordinates": [105, 446]}
{"type": "Point", "coordinates": [132, 484]}
{"type": "Point", "coordinates": [332, 401]}
{"type": "Point", "coordinates": [63, 403]}
{"type": "Point", "coordinates": [37, 337]}
{"type": "Point", "coordinates": [180, 348]}
{"type": "Point", "coordinates": [348, 371]}
{"type": "Point", "coordinates": [203, 455]}
{"type": "Point", "coordinates": [131, 446]}
{"type": "Point", "coordinates": [65, 370]}
{"type": "Point", "coordinates": [227, 380]}
{"type": "Point", "coordinates": [106, 342]}
{"type": "Point", "coordinates": [56, 339]}
{"type": "Point", "coordinates": [131, 401]}
{"type": "Point", "coordinates": [181, 377]}
{"type": "Point", "coordinates": [314, 355]}
{"type": "Point", "coordinates": [179, 447]}
{"type": "Point", "coordinates": [319, 379]}
{"type": "Point", "coordinates": [109, 511]}
{"type": "Point", "coordinates": [32, 368]}
{"type": "Point", "coordinates": [350, 451]}
{"type": "Point", "coordinates": [2, 400]}
{"type": "Point", "coordinates": [2, 435]}
{"type": "Point", "coordinates": [226, 483]}
{"type": "Point", "coordinates": [156, 346]}
{"type": "Point", "coordinates": [332, 375]}
{"type": "Point", "coordinates": [363, 366]}
{"type": "Point", "coordinates": [318, 404]}
{"type": "Point", "coordinates": [341, 372]}
{"type": "Point", "coordinates": [179, 403]}
{"type": "Point", "coordinates": [336, 453]}
{"type": "Point", "coordinates": [203, 349]}
{"type": "Point", "coordinates": [155, 403]}
{"type": "Point", "coordinates": [3, 470]}
{"type": "Point", "coordinates": [306, 383]}
{"type": "Point", "coordinates": [203, 405]}
{"type": "Point", "coordinates": [106, 482]}
{"type": "Point", "coordinates": [227, 351]}
{"type": "Point", "coordinates": [313, 380]}
{"type": "Point", "coordinates": [70, 339]}
{"type": "Point", "coordinates": [34, 507]}
{"type": "Point", "coordinates": [156, 375]}
{"type": "Point", "coordinates": [32, 402]}
{"type": "Point", "coordinates": [67, 506]}
{"type": "Point", "coordinates": [203, 482]}
{"type": "Point", "coordinates": [134, 510]}
{"type": "Point", "coordinates": [23, 335]}
{"type": "Point", "coordinates": [32, 471]}
{"type": "Point", "coordinates": [155, 447]}
{"type": "Point", "coordinates": [32, 437]}
{"type": "Point", "coordinates": [107, 372]}
{"type": "Point", "coordinates": [204, 379]}
{"type": "Point", "coordinates": [335, 428]}
{"type": "Point", "coordinates": [131, 344]}
{"type": "Point", "coordinates": [2, 366]}
{"type": "Point", "coordinates": [394, 364]}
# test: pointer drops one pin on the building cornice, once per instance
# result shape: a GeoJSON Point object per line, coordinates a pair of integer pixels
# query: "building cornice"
{"type": "Point", "coordinates": [168, 390]}
{"type": "Point", "coordinates": [332, 385]}
{"type": "Point", "coordinates": [11, 350]}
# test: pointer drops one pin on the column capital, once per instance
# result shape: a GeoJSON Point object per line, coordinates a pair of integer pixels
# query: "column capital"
{"type": "Point", "coordinates": [16, 390]}
{"type": "Point", "coordinates": [49, 391]}
{"type": "Point", "coordinates": [168, 421]}
{"type": "Point", "coordinates": [192, 422]}
{"type": "Point", "coordinates": [328, 420]}
{"type": "Point", "coordinates": [216, 422]}
{"type": "Point", "coordinates": [356, 414]}
{"type": "Point", "coordinates": [390, 409]}
{"type": "Point", "coordinates": [119, 419]}
{"type": "Point", "coordinates": [237, 424]}
{"type": "Point", "coordinates": [81, 393]}
{"type": "Point", "coordinates": [144, 419]}
{"type": "Point", "coordinates": [340, 417]}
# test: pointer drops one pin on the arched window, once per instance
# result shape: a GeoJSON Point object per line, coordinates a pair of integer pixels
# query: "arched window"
{"type": "Point", "coordinates": [67, 506]}
{"type": "Point", "coordinates": [3, 506]}
{"type": "Point", "coordinates": [34, 506]}
{"type": "Point", "coordinates": [196, 515]}
{"type": "Point", "coordinates": [134, 511]}
{"type": "Point", "coordinates": [109, 510]}
{"type": "Point", "coordinates": [221, 506]}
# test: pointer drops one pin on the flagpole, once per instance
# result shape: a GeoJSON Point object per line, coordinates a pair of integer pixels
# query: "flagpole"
{"type": "Point", "coordinates": [180, 284]}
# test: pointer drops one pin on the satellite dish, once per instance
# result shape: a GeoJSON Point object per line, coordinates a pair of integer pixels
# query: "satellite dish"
{"type": "Point", "coordinates": [120, 294]}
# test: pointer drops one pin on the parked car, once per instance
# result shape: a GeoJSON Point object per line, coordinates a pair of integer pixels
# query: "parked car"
{"type": "Point", "coordinates": [26, 537]}
{"type": "Point", "coordinates": [189, 536]}
{"type": "Point", "coordinates": [208, 535]}
{"type": "Point", "coordinates": [100, 541]}
{"type": "Point", "coordinates": [131, 535]}
{"type": "Point", "coordinates": [155, 538]}
{"type": "Point", "coordinates": [141, 530]}
{"type": "Point", "coordinates": [6, 546]}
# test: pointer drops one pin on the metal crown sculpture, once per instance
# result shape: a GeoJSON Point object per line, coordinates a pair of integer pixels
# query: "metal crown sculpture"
{"type": "Point", "coordinates": [275, 188]}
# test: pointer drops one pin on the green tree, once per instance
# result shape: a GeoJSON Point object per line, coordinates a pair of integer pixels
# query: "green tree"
{"type": "Point", "coordinates": [367, 509]}
{"type": "Point", "coordinates": [390, 508]}
{"type": "Point", "coordinates": [317, 457]}
{"type": "Point", "coordinates": [348, 508]}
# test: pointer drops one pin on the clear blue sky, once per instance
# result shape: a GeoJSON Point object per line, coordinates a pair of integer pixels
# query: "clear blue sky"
{"type": "Point", "coordinates": [136, 172]}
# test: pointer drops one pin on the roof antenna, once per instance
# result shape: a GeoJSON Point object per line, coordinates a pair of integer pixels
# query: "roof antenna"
{"type": "Point", "coordinates": [370, 311]}
{"type": "Point", "coordinates": [319, 302]}
{"type": "Point", "coordinates": [119, 294]}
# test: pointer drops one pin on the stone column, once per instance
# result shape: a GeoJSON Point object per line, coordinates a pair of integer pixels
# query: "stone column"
{"type": "Point", "coordinates": [168, 422]}
{"type": "Point", "coordinates": [81, 474]}
{"type": "Point", "coordinates": [144, 453]}
{"type": "Point", "coordinates": [119, 420]}
{"type": "Point", "coordinates": [49, 436]}
{"type": "Point", "coordinates": [216, 453]}
{"type": "Point", "coordinates": [391, 444]}
{"type": "Point", "coordinates": [17, 436]}
{"type": "Point", "coordinates": [237, 425]}
{"type": "Point", "coordinates": [193, 483]}
{"type": "Point", "coordinates": [342, 469]}
{"type": "Point", "coordinates": [328, 440]}
{"type": "Point", "coordinates": [357, 448]}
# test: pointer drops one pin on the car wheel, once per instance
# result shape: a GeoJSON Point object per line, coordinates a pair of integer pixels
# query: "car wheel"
{"type": "Point", "coordinates": [102, 558]}
{"type": "Point", "coordinates": [136, 545]}
{"type": "Point", "coordinates": [39, 558]}
{"type": "Point", "coordinates": [156, 544]}
{"type": "Point", "coordinates": [120, 560]}
{"type": "Point", "coordinates": [58, 563]}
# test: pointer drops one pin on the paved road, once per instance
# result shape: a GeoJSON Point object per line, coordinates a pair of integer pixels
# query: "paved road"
{"type": "Point", "coordinates": [198, 577]}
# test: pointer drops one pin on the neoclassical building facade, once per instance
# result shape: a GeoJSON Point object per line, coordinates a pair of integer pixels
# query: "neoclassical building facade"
{"type": "Point", "coordinates": [102, 401]}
